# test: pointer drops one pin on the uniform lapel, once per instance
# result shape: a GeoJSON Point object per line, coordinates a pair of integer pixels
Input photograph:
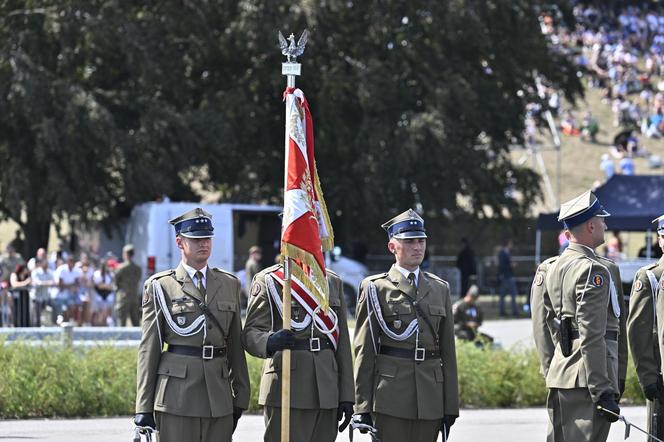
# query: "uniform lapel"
{"type": "Point", "coordinates": [424, 286]}
{"type": "Point", "coordinates": [402, 283]}
{"type": "Point", "coordinates": [186, 283]}
{"type": "Point", "coordinates": [213, 285]}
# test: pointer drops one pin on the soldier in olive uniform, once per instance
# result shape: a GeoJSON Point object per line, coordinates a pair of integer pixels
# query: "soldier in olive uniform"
{"type": "Point", "coordinates": [127, 279]}
{"type": "Point", "coordinates": [321, 360]}
{"type": "Point", "coordinates": [581, 295]}
{"type": "Point", "coordinates": [198, 386]}
{"type": "Point", "coordinates": [642, 331]}
{"type": "Point", "coordinates": [405, 359]}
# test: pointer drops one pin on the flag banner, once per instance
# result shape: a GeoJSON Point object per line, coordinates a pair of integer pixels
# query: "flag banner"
{"type": "Point", "coordinates": [306, 229]}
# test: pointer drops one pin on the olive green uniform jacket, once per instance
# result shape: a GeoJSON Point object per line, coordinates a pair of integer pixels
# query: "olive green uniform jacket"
{"type": "Point", "coordinates": [319, 380]}
{"type": "Point", "coordinates": [578, 284]}
{"type": "Point", "coordinates": [188, 385]}
{"type": "Point", "coordinates": [641, 325]}
{"type": "Point", "coordinates": [127, 281]}
{"type": "Point", "coordinates": [543, 317]}
{"type": "Point", "coordinates": [402, 387]}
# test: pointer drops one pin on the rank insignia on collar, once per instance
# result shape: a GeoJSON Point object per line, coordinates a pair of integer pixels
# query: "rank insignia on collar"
{"type": "Point", "coordinates": [539, 279]}
{"type": "Point", "coordinates": [598, 280]}
{"type": "Point", "coordinates": [638, 285]}
{"type": "Point", "coordinates": [181, 320]}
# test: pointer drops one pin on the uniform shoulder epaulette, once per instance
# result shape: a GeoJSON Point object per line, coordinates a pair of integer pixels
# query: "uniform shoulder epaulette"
{"type": "Point", "coordinates": [376, 276]}
{"type": "Point", "coordinates": [270, 269]}
{"type": "Point", "coordinates": [544, 265]}
{"type": "Point", "coordinates": [159, 275]}
{"type": "Point", "coordinates": [651, 266]}
{"type": "Point", "coordinates": [224, 272]}
{"type": "Point", "coordinates": [435, 277]}
{"type": "Point", "coordinates": [604, 258]}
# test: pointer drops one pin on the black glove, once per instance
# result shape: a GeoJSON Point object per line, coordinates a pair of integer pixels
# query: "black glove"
{"type": "Point", "coordinates": [237, 414]}
{"type": "Point", "coordinates": [145, 420]}
{"type": "Point", "coordinates": [651, 392]}
{"type": "Point", "coordinates": [607, 401]}
{"type": "Point", "coordinates": [363, 418]}
{"type": "Point", "coordinates": [280, 340]}
{"type": "Point", "coordinates": [345, 409]}
{"type": "Point", "coordinates": [448, 421]}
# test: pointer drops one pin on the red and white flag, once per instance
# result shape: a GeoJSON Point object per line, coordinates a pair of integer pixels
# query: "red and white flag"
{"type": "Point", "coordinates": [306, 230]}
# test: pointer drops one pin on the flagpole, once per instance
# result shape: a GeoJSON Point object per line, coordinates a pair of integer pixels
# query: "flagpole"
{"type": "Point", "coordinates": [290, 69]}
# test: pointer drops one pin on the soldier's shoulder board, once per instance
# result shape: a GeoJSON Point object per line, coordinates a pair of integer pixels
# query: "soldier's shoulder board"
{"type": "Point", "coordinates": [376, 277]}
{"type": "Point", "coordinates": [652, 266]}
{"type": "Point", "coordinates": [159, 275]}
{"type": "Point", "coordinates": [606, 260]}
{"type": "Point", "coordinates": [224, 272]}
{"type": "Point", "coordinates": [436, 278]}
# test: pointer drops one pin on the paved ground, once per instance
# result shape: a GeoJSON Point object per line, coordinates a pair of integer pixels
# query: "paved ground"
{"type": "Point", "coordinates": [503, 425]}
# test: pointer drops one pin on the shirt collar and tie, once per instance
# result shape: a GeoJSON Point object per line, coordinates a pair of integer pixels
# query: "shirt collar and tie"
{"type": "Point", "coordinates": [198, 277]}
{"type": "Point", "coordinates": [406, 274]}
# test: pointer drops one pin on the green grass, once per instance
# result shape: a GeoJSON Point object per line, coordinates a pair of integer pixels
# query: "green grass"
{"type": "Point", "coordinates": [53, 381]}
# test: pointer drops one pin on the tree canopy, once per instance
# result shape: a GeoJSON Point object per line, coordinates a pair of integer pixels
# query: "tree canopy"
{"type": "Point", "coordinates": [106, 104]}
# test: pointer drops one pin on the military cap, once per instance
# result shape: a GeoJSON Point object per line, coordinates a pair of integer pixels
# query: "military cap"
{"type": "Point", "coordinates": [128, 248]}
{"type": "Point", "coordinates": [405, 225]}
{"type": "Point", "coordinates": [580, 209]}
{"type": "Point", "coordinates": [196, 223]}
{"type": "Point", "coordinates": [660, 224]}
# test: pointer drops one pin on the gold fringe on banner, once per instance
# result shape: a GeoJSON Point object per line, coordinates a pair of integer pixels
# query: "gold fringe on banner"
{"type": "Point", "coordinates": [328, 242]}
{"type": "Point", "coordinates": [322, 292]}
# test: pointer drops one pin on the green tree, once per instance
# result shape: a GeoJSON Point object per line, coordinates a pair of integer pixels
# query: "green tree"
{"type": "Point", "coordinates": [414, 102]}
{"type": "Point", "coordinates": [106, 104]}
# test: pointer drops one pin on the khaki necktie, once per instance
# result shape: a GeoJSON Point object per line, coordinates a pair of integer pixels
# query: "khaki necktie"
{"type": "Point", "coordinates": [199, 282]}
{"type": "Point", "coordinates": [411, 279]}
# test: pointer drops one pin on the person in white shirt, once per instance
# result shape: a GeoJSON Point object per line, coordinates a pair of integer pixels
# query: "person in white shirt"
{"type": "Point", "coordinates": [104, 296]}
{"type": "Point", "coordinates": [66, 302]}
{"type": "Point", "coordinates": [43, 289]}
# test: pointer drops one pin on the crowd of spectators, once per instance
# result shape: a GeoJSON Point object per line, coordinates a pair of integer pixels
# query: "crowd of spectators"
{"type": "Point", "coordinates": [56, 288]}
{"type": "Point", "coordinates": [619, 49]}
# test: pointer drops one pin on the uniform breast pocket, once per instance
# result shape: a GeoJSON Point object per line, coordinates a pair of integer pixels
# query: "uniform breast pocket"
{"type": "Point", "coordinates": [398, 316]}
{"type": "Point", "coordinates": [437, 314]}
{"type": "Point", "coordinates": [226, 311]}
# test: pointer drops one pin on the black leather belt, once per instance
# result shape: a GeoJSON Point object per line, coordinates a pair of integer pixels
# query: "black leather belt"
{"type": "Point", "coordinates": [312, 344]}
{"type": "Point", "coordinates": [417, 354]}
{"type": "Point", "coordinates": [205, 352]}
{"type": "Point", "coordinates": [611, 335]}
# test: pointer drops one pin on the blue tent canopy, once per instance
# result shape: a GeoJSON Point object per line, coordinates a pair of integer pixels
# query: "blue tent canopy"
{"type": "Point", "coordinates": [633, 202]}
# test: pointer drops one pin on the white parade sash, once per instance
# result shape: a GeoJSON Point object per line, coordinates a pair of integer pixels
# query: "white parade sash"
{"type": "Point", "coordinates": [374, 304]}
{"type": "Point", "coordinates": [161, 307]}
{"type": "Point", "coordinates": [327, 323]}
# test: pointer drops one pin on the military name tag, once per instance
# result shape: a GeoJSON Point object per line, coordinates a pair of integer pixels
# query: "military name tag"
{"type": "Point", "coordinates": [181, 320]}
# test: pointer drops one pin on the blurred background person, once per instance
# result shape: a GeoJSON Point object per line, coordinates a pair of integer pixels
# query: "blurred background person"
{"type": "Point", "coordinates": [127, 293]}
{"type": "Point", "coordinates": [104, 296]}
{"type": "Point", "coordinates": [506, 282]}
{"type": "Point", "coordinates": [20, 282]}
{"type": "Point", "coordinates": [66, 303]}
{"type": "Point", "coordinates": [43, 290]}
{"type": "Point", "coordinates": [466, 264]}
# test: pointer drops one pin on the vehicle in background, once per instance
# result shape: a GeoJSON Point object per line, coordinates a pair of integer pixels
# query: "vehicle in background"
{"type": "Point", "coordinates": [237, 227]}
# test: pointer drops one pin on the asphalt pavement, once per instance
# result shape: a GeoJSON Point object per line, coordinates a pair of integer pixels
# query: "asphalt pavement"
{"type": "Point", "coordinates": [494, 425]}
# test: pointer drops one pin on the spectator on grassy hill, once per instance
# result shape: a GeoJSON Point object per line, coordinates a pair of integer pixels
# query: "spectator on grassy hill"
{"type": "Point", "coordinates": [607, 166]}
{"type": "Point", "coordinates": [626, 165]}
{"type": "Point", "coordinates": [39, 256]}
{"type": "Point", "coordinates": [589, 128]}
{"type": "Point", "coordinates": [569, 125]}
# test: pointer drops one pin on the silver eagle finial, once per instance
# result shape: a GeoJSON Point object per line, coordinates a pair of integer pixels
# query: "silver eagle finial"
{"type": "Point", "coordinates": [292, 51]}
